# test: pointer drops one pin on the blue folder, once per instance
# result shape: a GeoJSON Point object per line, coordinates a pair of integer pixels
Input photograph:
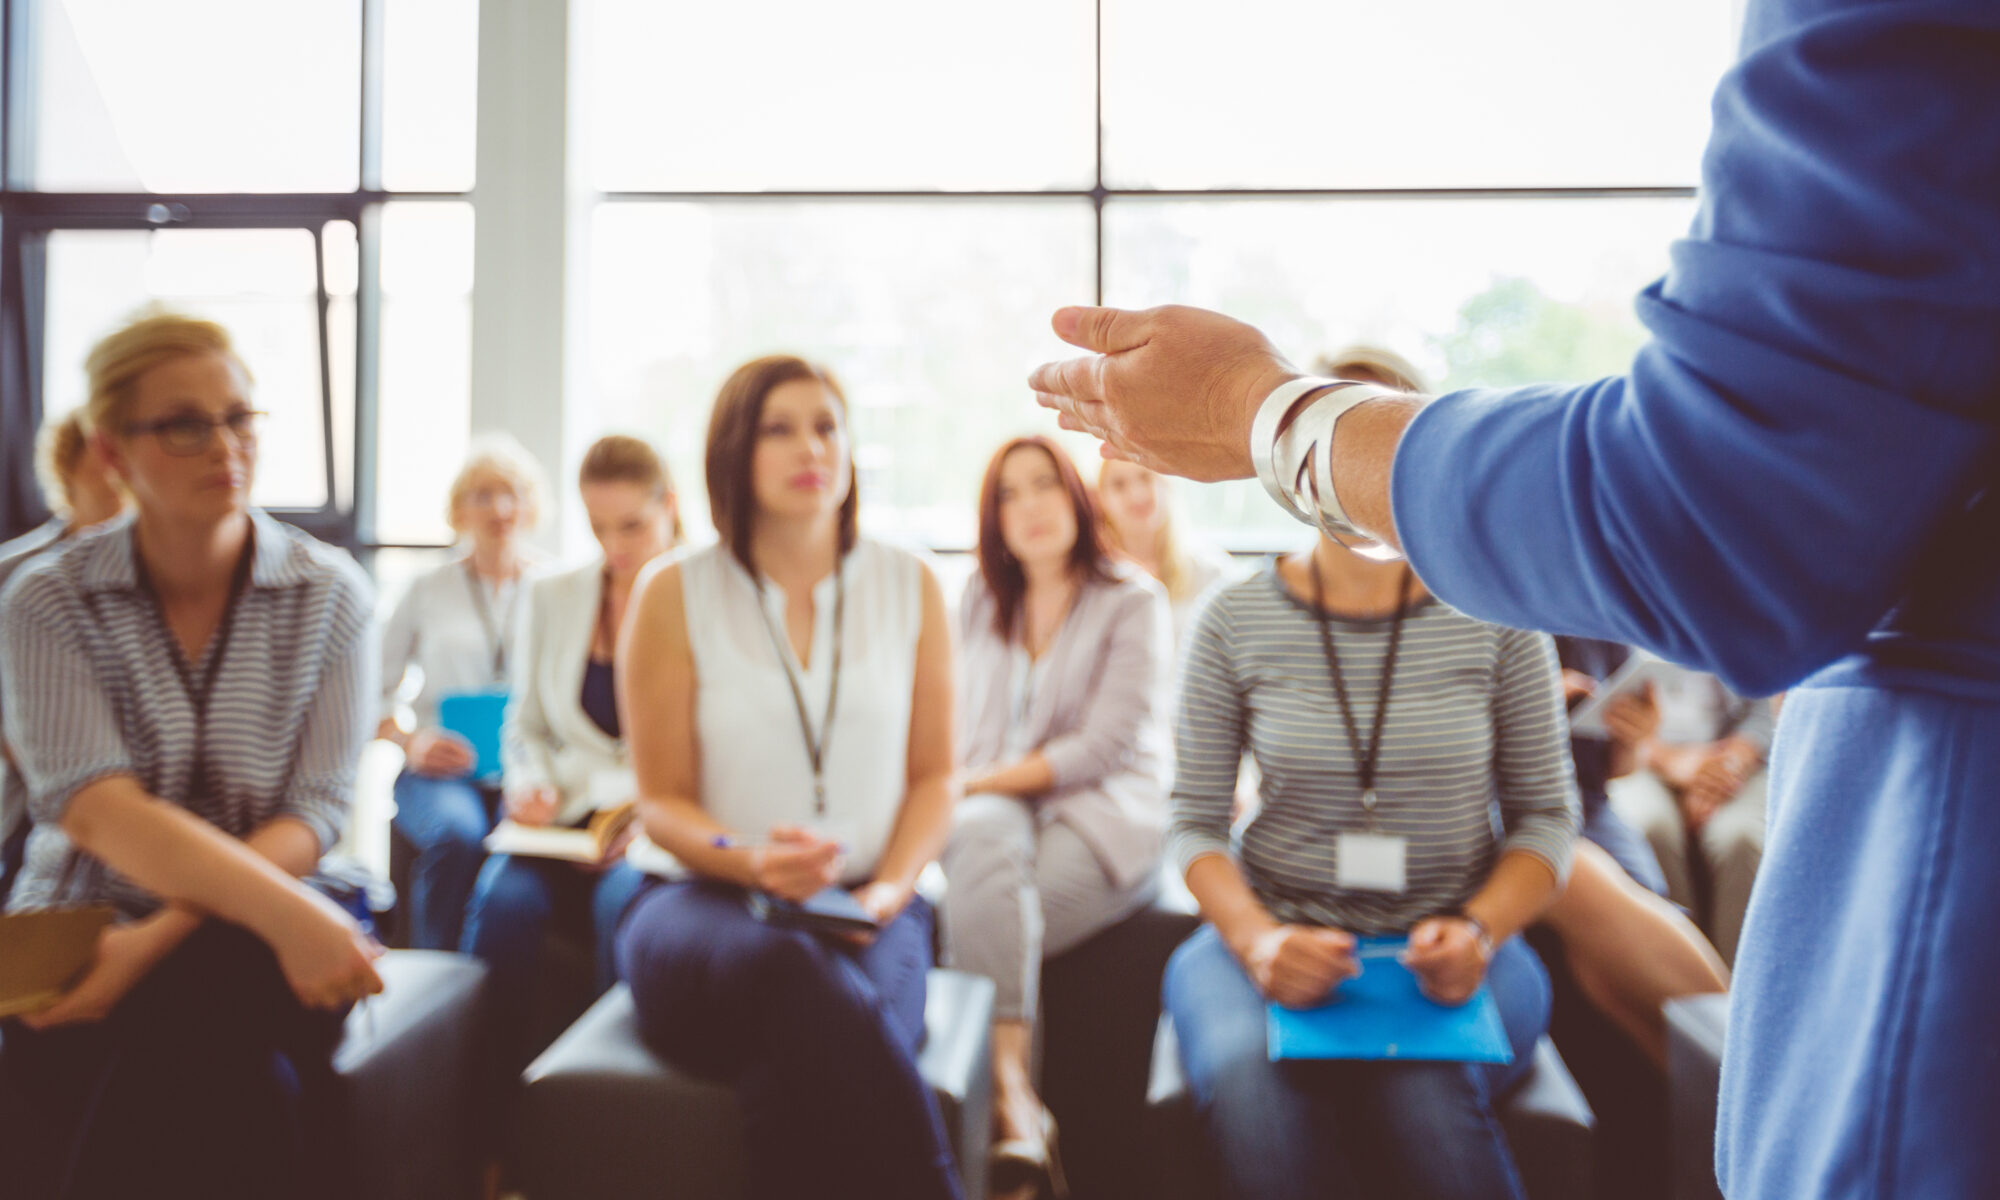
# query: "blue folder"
{"type": "Point", "coordinates": [1380, 1014]}
{"type": "Point", "coordinates": [476, 717]}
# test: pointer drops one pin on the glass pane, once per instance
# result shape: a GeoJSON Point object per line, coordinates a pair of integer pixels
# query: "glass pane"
{"type": "Point", "coordinates": [931, 315]}
{"type": "Point", "coordinates": [259, 283]}
{"type": "Point", "coordinates": [1471, 291]}
{"type": "Point", "coordinates": [1449, 93]}
{"type": "Point", "coordinates": [197, 95]}
{"type": "Point", "coordinates": [802, 94]}
{"type": "Point", "coordinates": [430, 84]}
{"type": "Point", "coordinates": [426, 367]}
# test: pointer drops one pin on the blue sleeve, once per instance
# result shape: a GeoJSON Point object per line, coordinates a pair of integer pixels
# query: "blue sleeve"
{"type": "Point", "coordinates": [1819, 395]}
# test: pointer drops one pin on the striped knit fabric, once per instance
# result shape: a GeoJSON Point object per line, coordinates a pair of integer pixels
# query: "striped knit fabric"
{"type": "Point", "coordinates": [92, 691]}
{"type": "Point", "coordinates": [1474, 762]}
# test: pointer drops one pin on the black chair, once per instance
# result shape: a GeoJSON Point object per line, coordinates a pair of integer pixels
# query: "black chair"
{"type": "Point", "coordinates": [411, 1064]}
{"type": "Point", "coordinates": [1100, 1003]}
{"type": "Point", "coordinates": [601, 1118]}
{"type": "Point", "coordinates": [1547, 1121]}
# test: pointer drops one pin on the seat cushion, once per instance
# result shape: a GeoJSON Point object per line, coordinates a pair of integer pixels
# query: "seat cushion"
{"type": "Point", "coordinates": [409, 1062]}
{"type": "Point", "coordinates": [602, 1116]}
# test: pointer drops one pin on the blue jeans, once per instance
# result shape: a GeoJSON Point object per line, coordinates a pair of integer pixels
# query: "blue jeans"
{"type": "Point", "coordinates": [818, 1038]}
{"type": "Point", "coordinates": [1320, 1129]}
{"type": "Point", "coordinates": [447, 820]}
{"type": "Point", "coordinates": [513, 905]}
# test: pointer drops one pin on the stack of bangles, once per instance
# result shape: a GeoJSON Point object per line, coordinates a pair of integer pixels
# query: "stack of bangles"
{"type": "Point", "coordinates": [1291, 443]}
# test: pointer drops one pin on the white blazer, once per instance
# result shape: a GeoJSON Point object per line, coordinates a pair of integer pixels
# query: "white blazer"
{"type": "Point", "coordinates": [548, 740]}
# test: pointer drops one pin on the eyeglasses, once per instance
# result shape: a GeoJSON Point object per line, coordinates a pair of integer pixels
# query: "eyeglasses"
{"type": "Point", "coordinates": [190, 434]}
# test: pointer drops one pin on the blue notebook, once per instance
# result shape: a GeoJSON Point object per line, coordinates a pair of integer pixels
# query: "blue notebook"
{"type": "Point", "coordinates": [476, 717]}
{"type": "Point", "coordinates": [1381, 1014]}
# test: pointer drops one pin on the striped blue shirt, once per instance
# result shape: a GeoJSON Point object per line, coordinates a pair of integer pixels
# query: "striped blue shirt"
{"type": "Point", "coordinates": [1474, 759]}
{"type": "Point", "coordinates": [92, 690]}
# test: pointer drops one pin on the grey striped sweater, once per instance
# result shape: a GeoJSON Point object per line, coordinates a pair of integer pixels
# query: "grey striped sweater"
{"type": "Point", "coordinates": [91, 691]}
{"type": "Point", "coordinates": [1474, 763]}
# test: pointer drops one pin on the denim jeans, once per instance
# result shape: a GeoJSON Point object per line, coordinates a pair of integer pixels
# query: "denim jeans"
{"type": "Point", "coordinates": [1321, 1129]}
{"type": "Point", "coordinates": [447, 820]}
{"type": "Point", "coordinates": [818, 1037]}
{"type": "Point", "coordinates": [513, 906]}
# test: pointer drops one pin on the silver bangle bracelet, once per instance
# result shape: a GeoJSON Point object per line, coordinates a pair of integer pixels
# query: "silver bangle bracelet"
{"type": "Point", "coordinates": [1264, 438]}
{"type": "Point", "coordinates": [1296, 466]}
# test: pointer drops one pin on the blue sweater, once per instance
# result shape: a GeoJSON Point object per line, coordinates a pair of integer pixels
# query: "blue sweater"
{"type": "Point", "coordinates": [1790, 488]}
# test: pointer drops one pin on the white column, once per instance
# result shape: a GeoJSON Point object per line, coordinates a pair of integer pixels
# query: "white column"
{"type": "Point", "coordinates": [520, 239]}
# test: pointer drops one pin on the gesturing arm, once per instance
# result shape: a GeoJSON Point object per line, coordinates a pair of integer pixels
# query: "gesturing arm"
{"type": "Point", "coordinates": [1815, 409]}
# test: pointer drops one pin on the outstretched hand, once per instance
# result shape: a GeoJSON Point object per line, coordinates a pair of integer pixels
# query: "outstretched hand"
{"type": "Point", "coordinates": [1173, 389]}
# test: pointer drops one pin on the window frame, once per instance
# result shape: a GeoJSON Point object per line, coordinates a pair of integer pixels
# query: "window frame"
{"type": "Point", "coordinates": [28, 216]}
{"type": "Point", "coordinates": [1101, 194]}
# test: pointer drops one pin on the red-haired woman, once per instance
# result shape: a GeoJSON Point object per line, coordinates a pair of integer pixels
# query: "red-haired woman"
{"type": "Point", "coordinates": [1065, 808]}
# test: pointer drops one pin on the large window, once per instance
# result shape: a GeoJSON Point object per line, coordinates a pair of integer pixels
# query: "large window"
{"type": "Point", "coordinates": [298, 171]}
{"type": "Point", "coordinates": [907, 189]}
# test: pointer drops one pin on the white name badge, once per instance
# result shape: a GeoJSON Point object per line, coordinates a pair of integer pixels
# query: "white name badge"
{"type": "Point", "coordinates": [1369, 862]}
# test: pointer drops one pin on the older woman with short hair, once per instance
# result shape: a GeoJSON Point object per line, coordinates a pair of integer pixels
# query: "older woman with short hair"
{"type": "Point", "coordinates": [457, 624]}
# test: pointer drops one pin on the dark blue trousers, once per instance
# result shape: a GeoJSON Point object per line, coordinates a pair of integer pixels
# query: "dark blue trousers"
{"type": "Point", "coordinates": [209, 1079]}
{"type": "Point", "coordinates": [819, 1039]}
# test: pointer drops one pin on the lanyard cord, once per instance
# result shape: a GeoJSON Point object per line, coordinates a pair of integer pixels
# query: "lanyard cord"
{"type": "Point", "coordinates": [815, 746]}
{"type": "Point", "coordinates": [496, 641]}
{"type": "Point", "coordinates": [1364, 758]}
{"type": "Point", "coordinates": [75, 862]}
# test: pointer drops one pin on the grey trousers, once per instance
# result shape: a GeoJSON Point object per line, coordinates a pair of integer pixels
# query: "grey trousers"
{"type": "Point", "coordinates": [1017, 894]}
{"type": "Point", "coordinates": [1732, 842]}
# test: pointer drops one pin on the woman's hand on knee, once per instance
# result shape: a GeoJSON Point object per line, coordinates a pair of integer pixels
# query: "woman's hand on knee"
{"type": "Point", "coordinates": [1298, 965]}
{"type": "Point", "coordinates": [327, 958]}
{"type": "Point", "coordinates": [1448, 958]}
{"type": "Point", "coordinates": [882, 899]}
{"type": "Point", "coordinates": [532, 805]}
{"type": "Point", "coordinates": [439, 754]}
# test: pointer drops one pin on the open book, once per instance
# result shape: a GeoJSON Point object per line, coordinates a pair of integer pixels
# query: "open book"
{"type": "Point", "coordinates": [585, 845]}
{"type": "Point", "coordinates": [43, 952]}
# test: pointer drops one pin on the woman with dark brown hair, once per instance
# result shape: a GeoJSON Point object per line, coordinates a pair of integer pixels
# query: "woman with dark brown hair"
{"type": "Point", "coordinates": [1065, 809]}
{"type": "Point", "coordinates": [788, 699]}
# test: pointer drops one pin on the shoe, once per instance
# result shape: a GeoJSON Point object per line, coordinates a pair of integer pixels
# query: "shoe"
{"type": "Point", "coordinates": [1028, 1166]}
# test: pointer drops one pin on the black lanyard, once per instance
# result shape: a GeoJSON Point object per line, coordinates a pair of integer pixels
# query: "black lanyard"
{"type": "Point", "coordinates": [496, 641]}
{"type": "Point", "coordinates": [815, 746]}
{"type": "Point", "coordinates": [1366, 757]}
{"type": "Point", "coordinates": [199, 690]}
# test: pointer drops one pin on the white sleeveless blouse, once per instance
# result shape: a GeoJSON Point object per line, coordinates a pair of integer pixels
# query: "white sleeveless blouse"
{"type": "Point", "coordinates": [756, 769]}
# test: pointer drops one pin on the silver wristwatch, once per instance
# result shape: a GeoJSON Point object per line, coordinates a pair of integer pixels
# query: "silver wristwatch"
{"type": "Point", "coordinates": [1291, 444]}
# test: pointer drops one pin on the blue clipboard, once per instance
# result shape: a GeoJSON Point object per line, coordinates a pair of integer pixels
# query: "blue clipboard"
{"type": "Point", "coordinates": [1381, 1014]}
{"type": "Point", "coordinates": [476, 717]}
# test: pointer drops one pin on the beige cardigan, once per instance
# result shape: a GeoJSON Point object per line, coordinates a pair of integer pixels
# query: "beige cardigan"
{"type": "Point", "coordinates": [1098, 716]}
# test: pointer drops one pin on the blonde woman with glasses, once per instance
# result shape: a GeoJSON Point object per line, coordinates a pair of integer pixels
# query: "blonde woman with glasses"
{"type": "Point", "coordinates": [188, 692]}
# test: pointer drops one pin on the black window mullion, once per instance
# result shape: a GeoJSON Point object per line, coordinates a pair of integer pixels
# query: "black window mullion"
{"type": "Point", "coordinates": [322, 303]}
